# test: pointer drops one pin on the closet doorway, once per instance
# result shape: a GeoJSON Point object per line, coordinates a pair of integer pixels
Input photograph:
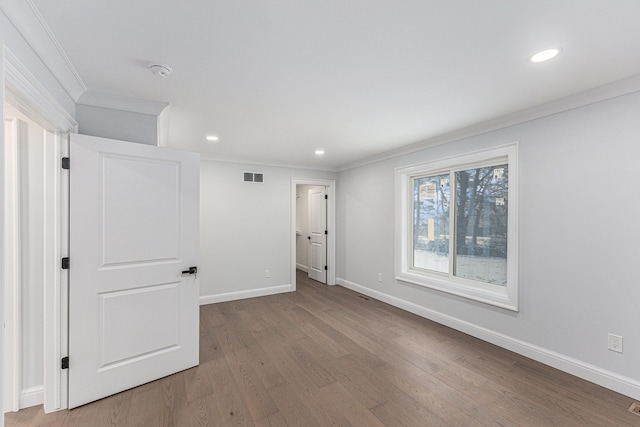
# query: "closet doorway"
{"type": "Point", "coordinates": [313, 229]}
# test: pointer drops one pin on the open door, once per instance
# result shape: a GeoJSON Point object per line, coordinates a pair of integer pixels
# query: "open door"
{"type": "Point", "coordinates": [318, 234]}
{"type": "Point", "coordinates": [133, 304]}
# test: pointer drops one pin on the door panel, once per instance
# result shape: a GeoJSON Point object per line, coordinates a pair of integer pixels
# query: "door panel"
{"type": "Point", "coordinates": [157, 240]}
{"type": "Point", "coordinates": [133, 317]}
{"type": "Point", "coordinates": [317, 234]}
{"type": "Point", "coordinates": [155, 308]}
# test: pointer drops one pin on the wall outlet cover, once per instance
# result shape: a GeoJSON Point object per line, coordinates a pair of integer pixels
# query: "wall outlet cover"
{"type": "Point", "coordinates": [615, 343]}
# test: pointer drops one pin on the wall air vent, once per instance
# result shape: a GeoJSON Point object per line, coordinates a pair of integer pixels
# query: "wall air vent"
{"type": "Point", "coordinates": [253, 177]}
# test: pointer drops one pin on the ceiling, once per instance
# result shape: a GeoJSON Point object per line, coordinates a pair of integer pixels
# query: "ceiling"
{"type": "Point", "coordinates": [276, 80]}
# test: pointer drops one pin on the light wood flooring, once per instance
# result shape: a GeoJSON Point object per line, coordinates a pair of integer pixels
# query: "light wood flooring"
{"type": "Point", "coordinates": [325, 356]}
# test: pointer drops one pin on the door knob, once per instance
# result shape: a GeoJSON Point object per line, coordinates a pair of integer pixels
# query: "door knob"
{"type": "Point", "coordinates": [191, 270]}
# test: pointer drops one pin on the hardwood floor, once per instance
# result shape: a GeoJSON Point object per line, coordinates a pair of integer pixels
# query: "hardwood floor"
{"type": "Point", "coordinates": [327, 356]}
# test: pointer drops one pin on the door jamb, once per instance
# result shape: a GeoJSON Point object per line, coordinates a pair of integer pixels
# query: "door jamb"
{"type": "Point", "coordinates": [331, 226]}
{"type": "Point", "coordinates": [12, 348]}
{"type": "Point", "coordinates": [23, 91]}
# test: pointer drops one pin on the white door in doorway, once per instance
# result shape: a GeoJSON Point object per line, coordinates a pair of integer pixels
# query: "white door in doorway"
{"type": "Point", "coordinates": [318, 234]}
{"type": "Point", "coordinates": [133, 306]}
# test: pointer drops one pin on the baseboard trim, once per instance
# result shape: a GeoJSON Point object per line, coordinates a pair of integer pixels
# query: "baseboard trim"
{"type": "Point", "coordinates": [32, 396]}
{"type": "Point", "coordinates": [611, 380]}
{"type": "Point", "coordinates": [302, 267]}
{"type": "Point", "coordinates": [252, 293]}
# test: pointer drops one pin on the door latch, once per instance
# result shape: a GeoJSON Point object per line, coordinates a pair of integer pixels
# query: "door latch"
{"type": "Point", "coordinates": [191, 270]}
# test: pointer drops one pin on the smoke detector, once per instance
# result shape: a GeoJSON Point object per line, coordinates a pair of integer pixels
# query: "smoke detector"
{"type": "Point", "coordinates": [161, 70]}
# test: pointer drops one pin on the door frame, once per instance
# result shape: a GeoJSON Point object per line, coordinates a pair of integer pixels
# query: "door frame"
{"type": "Point", "coordinates": [331, 226]}
{"type": "Point", "coordinates": [23, 91]}
{"type": "Point", "coordinates": [12, 348]}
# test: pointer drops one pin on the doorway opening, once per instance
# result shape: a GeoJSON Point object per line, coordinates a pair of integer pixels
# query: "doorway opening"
{"type": "Point", "coordinates": [313, 230]}
{"type": "Point", "coordinates": [24, 291]}
{"type": "Point", "coordinates": [33, 282]}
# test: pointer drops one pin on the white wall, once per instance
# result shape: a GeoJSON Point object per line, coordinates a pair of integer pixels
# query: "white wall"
{"type": "Point", "coordinates": [578, 233]}
{"type": "Point", "coordinates": [246, 229]}
{"type": "Point", "coordinates": [302, 224]}
{"type": "Point", "coordinates": [117, 124]}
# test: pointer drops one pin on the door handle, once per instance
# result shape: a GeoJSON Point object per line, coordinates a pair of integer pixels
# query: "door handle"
{"type": "Point", "coordinates": [191, 270]}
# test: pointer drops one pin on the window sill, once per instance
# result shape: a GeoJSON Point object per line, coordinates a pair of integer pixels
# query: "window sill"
{"type": "Point", "coordinates": [482, 292]}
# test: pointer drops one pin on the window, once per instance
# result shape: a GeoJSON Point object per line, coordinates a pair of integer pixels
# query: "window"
{"type": "Point", "coordinates": [456, 225]}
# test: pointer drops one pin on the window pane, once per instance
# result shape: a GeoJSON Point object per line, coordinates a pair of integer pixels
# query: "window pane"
{"type": "Point", "coordinates": [431, 223]}
{"type": "Point", "coordinates": [481, 224]}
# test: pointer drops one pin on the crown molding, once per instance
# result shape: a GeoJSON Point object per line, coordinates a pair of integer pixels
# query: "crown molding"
{"type": "Point", "coordinates": [591, 96]}
{"type": "Point", "coordinates": [26, 94]}
{"type": "Point", "coordinates": [30, 24]}
{"type": "Point", "coordinates": [123, 103]}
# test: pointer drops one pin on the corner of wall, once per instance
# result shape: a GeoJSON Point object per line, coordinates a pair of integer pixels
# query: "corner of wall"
{"type": "Point", "coordinates": [252, 293]}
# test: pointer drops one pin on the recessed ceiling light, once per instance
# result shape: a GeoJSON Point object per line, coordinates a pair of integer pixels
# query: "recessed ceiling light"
{"type": "Point", "coordinates": [545, 55]}
{"type": "Point", "coordinates": [319, 152]}
{"type": "Point", "coordinates": [212, 138]}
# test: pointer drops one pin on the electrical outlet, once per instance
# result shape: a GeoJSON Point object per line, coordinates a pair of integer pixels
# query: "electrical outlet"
{"type": "Point", "coordinates": [379, 277]}
{"type": "Point", "coordinates": [615, 343]}
{"type": "Point", "coordinates": [267, 274]}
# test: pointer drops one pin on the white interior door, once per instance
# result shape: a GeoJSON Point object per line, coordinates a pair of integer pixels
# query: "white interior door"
{"type": "Point", "coordinates": [318, 234]}
{"type": "Point", "coordinates": [133, 315]}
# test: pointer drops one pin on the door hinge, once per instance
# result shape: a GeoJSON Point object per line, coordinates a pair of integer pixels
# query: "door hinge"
{"type": "Point", "coordinates": [65, 163]}
{"type": "Point", "coordinates": [65, 263]}
{"type": "Point", "coordinates": [325, 267]}
{"type": "Point", "coordinates": [326, 231]}
{"type": "Point", "coordinates": [65, 363]}
{"type": "Point", "coordinates": [326, 197]}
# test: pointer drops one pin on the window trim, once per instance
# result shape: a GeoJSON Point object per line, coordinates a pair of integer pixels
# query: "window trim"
{"type": "Point", "coordinates": [496, 295]}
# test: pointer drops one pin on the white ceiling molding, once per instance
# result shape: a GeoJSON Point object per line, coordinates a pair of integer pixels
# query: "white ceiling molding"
{"type": "Point", "coordinates": [28, 21]}
{"type": "Point", "coordinates": [27, 95]}
{"type": "Point", "coordinates": [581, 99]}
{"type": "Point", "coordinates": [123, 103]}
